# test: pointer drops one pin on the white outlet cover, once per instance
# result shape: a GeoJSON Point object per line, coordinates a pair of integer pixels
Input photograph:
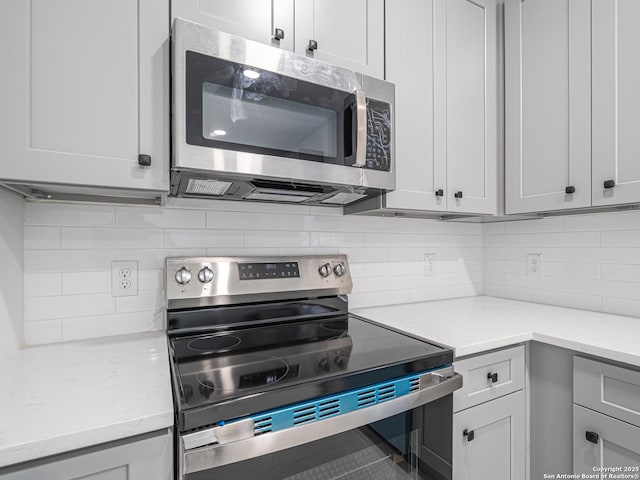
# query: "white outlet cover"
{"type": "Point", "coordinates": [535, 265]}
{"type": "Point", "coordinates": [429, 264]}
{"type": "Point", "coordinates": [124, 278]}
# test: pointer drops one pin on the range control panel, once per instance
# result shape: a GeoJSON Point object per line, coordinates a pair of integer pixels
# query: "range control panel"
{"type": "Point", "coordinates": [261, 271]}
{"type": "Point", "coordinates": [223, 280]}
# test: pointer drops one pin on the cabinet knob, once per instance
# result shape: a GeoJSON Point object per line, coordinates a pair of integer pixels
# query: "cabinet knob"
{"type": "Point", "coordinates": [570, 189]}
{"type": "Point", "coordinates": [458, 194]}
{"type": "Point", "coordinates": [278, 34]}
{"type": "Point", "coordinates": [609, 183]}
{"type": "Point", "coordinates": [313, 45]}
{"type": "Point", "coordinates": [592, 437]}
{"type": "Point", "coordinates": [144, 160]}
{"type": "Point", "coordinates": [470, 434]}
{"type": "Point", "coordinates": [440, 193]}
{"type": "Point", "coordinates": [493, 377]}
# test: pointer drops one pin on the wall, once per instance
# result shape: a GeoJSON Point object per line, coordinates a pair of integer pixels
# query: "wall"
{"type": "Point", "coordinates": [11, 220]}
{"type": "Point", "coordinates": [590, 261]}
{"type": "Point", "coordinates": [69, 248]}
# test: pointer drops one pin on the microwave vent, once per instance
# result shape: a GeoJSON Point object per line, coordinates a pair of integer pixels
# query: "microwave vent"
{"type": "Point", "coordinates": [214, 188]}
{"type": "Point", "coordinates": [343, 198]}
{"type": "Point", "coordinates": [279, 196]}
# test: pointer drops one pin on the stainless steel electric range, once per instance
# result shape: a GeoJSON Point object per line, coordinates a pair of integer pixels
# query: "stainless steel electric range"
{"type": "Point", "coordinates": [273, 378]}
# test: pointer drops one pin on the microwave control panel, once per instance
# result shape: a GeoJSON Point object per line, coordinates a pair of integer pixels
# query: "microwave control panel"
{"type": "Point", "coordinates": [378, 135]}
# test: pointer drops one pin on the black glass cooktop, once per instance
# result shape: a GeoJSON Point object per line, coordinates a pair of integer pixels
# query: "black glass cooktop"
{"type": "Point", "coordinates": [227, 374]}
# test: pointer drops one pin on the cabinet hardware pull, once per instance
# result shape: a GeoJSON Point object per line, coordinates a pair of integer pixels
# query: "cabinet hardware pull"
{"type": "Point", "coordinates": [493, 377]}
{"type": "Point", "coordinates": [144, 160]}
{"type": "Point", "coordinates": [609, 183]}
{"type": "Point", "coordinates": [278, 34]}
{"type": "Point", "coordinates": [440, 193]}
{"type": "Point", "coordinates": [592, 436]}
{"type": "Point", "coordinates": [313, 45]}
{"type": "Point", "coordinates": [469, 434]}
{"type": "Point", "coordinates": [570, 189]}
{"type": "Point", "coordinates": [458, 194]}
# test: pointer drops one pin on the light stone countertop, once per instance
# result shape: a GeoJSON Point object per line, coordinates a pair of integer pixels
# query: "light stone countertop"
{"type": "Point", "coordinates": [477, 324]}
{"type": "Point", "coordinates": [61, 397]}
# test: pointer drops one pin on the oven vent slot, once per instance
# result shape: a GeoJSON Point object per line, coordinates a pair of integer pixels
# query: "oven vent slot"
{"type": "Point", "coordinates": [414, 384]}
{"type": "Point", "coordinates": [263, 424]}
{"type": "Point", "coordinates": [334, 405]}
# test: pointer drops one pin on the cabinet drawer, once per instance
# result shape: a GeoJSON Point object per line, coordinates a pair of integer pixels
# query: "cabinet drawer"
{"type": "Point", "coordinates": [489, 376]}
{"type": "Point", "coordinates": [608, 389]}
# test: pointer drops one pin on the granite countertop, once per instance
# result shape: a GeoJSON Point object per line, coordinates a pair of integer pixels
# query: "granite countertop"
{"type": "Point", "coordinates": [61, 397]}
{"type": "Point", "coordinates": [477, 324]}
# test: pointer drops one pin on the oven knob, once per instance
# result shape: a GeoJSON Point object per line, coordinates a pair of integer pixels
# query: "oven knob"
{"type": "Point", "coordinates": [205, 275]}
{"type": "Point", "coordinates": [340, 363]}
{"type": "Point", "coordinates": [339, 270]}
{"type": "Point", "coordinates": [183, 276]}
{"type": "Point", "coordinates": [325, 270]}
{"type": "Point", "coordinates": [324, 364]}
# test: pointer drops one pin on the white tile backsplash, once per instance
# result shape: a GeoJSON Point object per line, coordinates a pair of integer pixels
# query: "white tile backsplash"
{"type": "Point", "coordinates": [590, 261]}
{"type": "Point", "coordinates": [386, 256]}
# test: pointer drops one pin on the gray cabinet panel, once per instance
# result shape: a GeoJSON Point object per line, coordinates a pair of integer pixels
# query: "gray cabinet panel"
{"type": "Point", "coordinates": [547, 105]}
{"type": "Point", "coordinates": [85, 90]}
{"type": "Point", "coordinates": [149, 458]}
{"type": "Point", "coordinates": [616, 101]}
{"type": "Point", "coordinates": [617, 443]}
{"type": "Point", "coordinates": [471, 111]}
{"type": "Point", "coordinates": [253, 19]}
{"type": "Point", "coordinates": [608, 389]}
{"type": "Point", "coordinates": [413, 36]}
{"type": "Point", "coordinates": [497, 449]}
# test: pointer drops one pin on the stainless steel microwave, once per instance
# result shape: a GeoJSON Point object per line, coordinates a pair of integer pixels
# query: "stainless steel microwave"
{"type": "Point", "coordinates": [255, 122]}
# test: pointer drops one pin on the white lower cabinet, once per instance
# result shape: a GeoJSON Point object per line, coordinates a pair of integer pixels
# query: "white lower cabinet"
{"type": "Point", "coordinates": [489, 440]}
{"type": "Point", "coordinates": [143, 459]}
{"type": "Point", "coordinates": [489, 417]}
{"type": "Point", "coordinates": [603, 441]}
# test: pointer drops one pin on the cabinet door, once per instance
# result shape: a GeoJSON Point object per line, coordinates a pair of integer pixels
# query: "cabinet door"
{"type": "Point", "coordinates": [150, 458]}
{"type": "Point", "coordinates": [471, 109]}
{"type": "Point", "coordinates": [252, 19]}
{"type": "Point", "coordinates": [85, 91]}
{"type": "Point", "coordinates": [412, 35]}
{"type": "Point", "coordinates": [547, 105]}
{"type": "Point", "coordinates": [497, 449]}
{"type": "Point", "coordinates": [616, 101]}
{"type": "Point", "coordinates": [349, 34]}
{"type": "Point", "coordinates": [611, 443]}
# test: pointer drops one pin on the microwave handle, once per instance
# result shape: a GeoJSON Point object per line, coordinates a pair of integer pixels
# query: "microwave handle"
{"type": "Point", "coordinates": [361, 129]}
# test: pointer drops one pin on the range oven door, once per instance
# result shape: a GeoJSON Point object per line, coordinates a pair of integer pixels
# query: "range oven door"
{"type": "Point", "coordinates": [244, 108]}
{"type": "Point", "coordinates": [405, 438]}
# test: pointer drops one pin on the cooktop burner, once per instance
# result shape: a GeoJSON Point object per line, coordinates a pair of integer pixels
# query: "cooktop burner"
{"type": "Point", "coordinates": [214, 343]}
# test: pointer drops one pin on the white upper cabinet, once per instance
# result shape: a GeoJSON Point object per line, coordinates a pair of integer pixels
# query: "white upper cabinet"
{"type": "Point", "coordinates": [471, 106]}
{"type": "Point", "coordinates": [85, 91]}
{"type": "Point", "coordinates": [616, 101]}
{"type": "Point", "coordinates": [441, 55]}
{"type": "Point", "coordinates": [349, 34]}
{"type": "Point", "coordinates": [547, 105]}
{"type": "Point", "coordinates": [253, 19]}
{"type": "Point", "coordinates": [421, 169]}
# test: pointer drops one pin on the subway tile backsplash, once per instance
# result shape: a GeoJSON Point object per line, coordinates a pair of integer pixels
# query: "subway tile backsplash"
{"type": "Point", "coordinates": [590, 261]}
{"type": "Point", "coordinates": [68, 250]}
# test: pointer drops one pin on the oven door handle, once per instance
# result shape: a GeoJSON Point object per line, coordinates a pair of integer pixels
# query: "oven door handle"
{"type": "Point", "coordinates": [432, 387]}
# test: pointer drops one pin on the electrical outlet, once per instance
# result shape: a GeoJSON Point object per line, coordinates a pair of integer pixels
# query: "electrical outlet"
{"type": "Point", "coordinates": [124, 278]}
{"type": "Point", "coordinates": [429, 264]}
{"type": "Point", "coordinates": [534, 265]}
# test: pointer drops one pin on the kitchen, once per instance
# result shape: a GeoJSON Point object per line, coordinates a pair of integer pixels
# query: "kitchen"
{"type": "Point", "coordinates": [102, 209]}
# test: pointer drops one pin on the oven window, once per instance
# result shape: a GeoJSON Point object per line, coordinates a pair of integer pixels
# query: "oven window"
{"type": "Point", "coordinates": [236, 107]}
